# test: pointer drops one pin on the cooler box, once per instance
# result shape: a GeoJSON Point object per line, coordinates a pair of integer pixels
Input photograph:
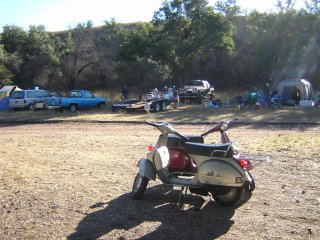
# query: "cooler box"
{"type": "Point", "coordinates": [306, 103]}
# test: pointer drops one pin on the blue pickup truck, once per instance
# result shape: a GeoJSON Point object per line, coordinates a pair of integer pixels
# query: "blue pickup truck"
{"type": "Point", "coordinates": [77, 99]}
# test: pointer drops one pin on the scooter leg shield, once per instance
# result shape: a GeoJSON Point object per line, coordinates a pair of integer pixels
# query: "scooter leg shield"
{"type": "Point", "coordinates": [146, 169]}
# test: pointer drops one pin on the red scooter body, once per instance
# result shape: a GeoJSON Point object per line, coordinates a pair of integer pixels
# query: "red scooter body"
{"type": "Point", "coordinates": [179, 159]}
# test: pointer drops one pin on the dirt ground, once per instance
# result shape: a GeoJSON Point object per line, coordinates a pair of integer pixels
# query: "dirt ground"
{"type": "Point", "coordinates": [73, 181]}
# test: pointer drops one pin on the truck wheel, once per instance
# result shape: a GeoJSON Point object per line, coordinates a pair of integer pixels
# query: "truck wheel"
{"type": "Point", "coordinates": [31, 107]}
{"type": "Point", "coordinates": [156, 107]}
{"type": "Point", "coordinates": [73, 108]}
{"type": "Point", "coordinates": [101, 106]}
{"type": "Point", "coordinates": [164, 106]}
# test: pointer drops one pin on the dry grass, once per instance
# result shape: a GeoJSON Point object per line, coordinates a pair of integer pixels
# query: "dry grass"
{"type": "Point", "coordinates": [185, 113]}
{"type": "Point", "coordinates": [73, 181]}
{"type": "Point", "coordinates": [110, 95]}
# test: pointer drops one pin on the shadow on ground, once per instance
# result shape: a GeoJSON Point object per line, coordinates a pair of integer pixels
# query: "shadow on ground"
{"type": "Point", "coordinates": [202, 220]}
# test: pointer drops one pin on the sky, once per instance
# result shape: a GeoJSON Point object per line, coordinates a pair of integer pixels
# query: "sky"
{"type": "Point", "coordinates": [59, 15]}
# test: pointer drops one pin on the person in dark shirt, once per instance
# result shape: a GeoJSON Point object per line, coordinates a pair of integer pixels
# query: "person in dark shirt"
{"type": "Point", "coordinates": [125, 93]}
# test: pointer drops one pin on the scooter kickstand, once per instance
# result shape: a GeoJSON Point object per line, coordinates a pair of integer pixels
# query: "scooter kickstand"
{"type": "Point", "coordinates": [181, 194]}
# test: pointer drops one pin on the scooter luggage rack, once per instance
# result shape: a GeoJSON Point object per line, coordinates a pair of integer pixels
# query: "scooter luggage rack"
{"type": "Point", "coordinates": [253, 157]}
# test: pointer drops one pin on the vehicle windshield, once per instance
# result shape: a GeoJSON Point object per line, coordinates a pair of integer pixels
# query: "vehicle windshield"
{"type": "Point", "coordinates": [17, 95]}
{"type": "Point", "coordinates": [194, 83]}
{"type": "Point", "coordinates": [75, 94]}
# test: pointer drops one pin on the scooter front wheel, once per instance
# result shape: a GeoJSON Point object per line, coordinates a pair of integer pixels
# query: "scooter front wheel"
{"type": "Point", "coordinates": [228, 198]}
{"type": "Point", "coordinates": [139, 186]}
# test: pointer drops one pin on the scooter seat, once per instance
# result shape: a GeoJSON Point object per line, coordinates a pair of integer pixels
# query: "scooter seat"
{"type": "Point", "coordinates": [215, 150]}
{"type": "Point", "coordinates": [175, 141]}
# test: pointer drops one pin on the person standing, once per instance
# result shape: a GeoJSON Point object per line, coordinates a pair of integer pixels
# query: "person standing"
{"type": "Point", "coordinates": [155, 93]}
{"type": "Point", "coordinates": [298, 97]}
{"type": "Point", "coordinates": [124, 93]}
{"type": "Point", "coordinates": [175, 98]}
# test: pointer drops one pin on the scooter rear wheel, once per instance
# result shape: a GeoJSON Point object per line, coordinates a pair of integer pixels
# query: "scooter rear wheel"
{"type": "Point", "coordinates": [139, 186]}
{"type": "Point", "coordinates": [228, 198]}
{"type": "Point", "coordinates": [252, 185]}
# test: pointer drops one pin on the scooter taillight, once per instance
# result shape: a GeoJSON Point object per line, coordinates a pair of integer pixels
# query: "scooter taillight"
{"type": "Point", "coordinates": [150, 148]}
{"type": "Point", "coordinates": [245, 164]}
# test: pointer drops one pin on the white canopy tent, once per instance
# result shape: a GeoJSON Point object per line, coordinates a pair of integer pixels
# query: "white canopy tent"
{"type": "Point", "coordinates": [295, 90]}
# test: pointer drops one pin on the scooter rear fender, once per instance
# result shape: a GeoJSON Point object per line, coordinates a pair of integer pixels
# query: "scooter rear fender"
{"type": "Point", "coordinates": [146, 169]}
{"type": "Point", "coordinates": [221, 173]}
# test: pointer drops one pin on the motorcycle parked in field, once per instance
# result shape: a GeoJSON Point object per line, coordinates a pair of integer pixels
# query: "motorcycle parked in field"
{"type": "Point", "coordinates": [218, 169]}
{"type": "Point", "coordinates": [181, 163]}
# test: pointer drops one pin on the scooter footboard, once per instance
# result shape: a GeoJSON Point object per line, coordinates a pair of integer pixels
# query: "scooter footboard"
{"type": "Point", "coordinates": [146, 169]}
{"type": "Point", "coordinates": [221, 173]}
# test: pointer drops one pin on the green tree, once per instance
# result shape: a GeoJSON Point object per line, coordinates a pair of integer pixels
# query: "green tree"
{"type": "Point", "coordinates": [13, 39]}
{"type": "Point", "coordinates": [77, 61]}
{"type": "Point", "coordinates": [5, 74]}
{"type": "Point", "coordinates": [229, 8]}
{"type": "Point", "coordinates": [285, 5]}
{"type": "Point", "coordinates": [39, 57]}
{"type": "Point", "coordinates": [190, 33]}
{"type": "Point", "coordinates": [313, 6]}
{"type": "Point", "coordinates": [135, 62]}
{"type": "Point", "coordinates": [31, 55]}
{"type": "Point", "coordinates": [275, 47]}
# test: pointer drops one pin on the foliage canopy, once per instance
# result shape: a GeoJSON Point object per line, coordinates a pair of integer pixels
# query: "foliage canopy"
{"type": "Point", "coordinates": [186, 39]}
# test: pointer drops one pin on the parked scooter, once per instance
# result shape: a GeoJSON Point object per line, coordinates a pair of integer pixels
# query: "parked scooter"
{"type": "Point", "coordinates": [217, 169]}
{"type": "Point", "coordinates": [180, 163]}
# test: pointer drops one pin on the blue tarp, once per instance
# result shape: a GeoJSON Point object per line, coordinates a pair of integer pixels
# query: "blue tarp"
{"type": "Point", "coordinates": [5, 92]}
{"type": "Point", "coordinates": [4, 104]}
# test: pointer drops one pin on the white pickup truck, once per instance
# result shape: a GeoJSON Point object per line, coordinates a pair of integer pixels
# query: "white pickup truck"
{"type": "Point", "coordinates": [195, 91]}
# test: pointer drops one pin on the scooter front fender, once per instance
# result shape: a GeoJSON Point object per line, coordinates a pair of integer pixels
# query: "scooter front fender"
{"type": "Point", "coordinates": [146, 169]}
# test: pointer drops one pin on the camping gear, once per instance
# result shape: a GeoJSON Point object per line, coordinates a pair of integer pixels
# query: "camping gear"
{"type": "Point", "coordinates": [292, 91]}
{"type": "Point", "coordinates": [257, 106]}
{"type": "Point", "coordinates": [253, 97]}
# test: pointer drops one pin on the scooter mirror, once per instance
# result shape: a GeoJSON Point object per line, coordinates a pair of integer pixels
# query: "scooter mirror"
{"type": "Point", "coordinates": [147, 107]}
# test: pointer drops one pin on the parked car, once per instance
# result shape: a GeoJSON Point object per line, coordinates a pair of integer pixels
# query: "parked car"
{"type": "Point", "coordinates": [27, 99]}
{"type": "Point", "coordinates": [77, 99]}
{"type": "Point", "coordinates": [196, 90]}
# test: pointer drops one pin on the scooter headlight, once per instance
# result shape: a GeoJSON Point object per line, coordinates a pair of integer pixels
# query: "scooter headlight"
{"type": "Point", "coordinates": [224, 126]}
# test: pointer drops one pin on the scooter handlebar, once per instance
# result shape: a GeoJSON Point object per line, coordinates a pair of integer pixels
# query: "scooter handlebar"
{"type": "Point", "coordinates": [181, 136]}
{"type": "Point", "coordinates": [207, 132]}
{"type": "Point", "coordinates": [151, 124]}
{"type": "Point", "coordinates": [217, 126]}
{"type": "Point", "coordinates": [231, 121]}
{"type": "Point", "coordinates": [167, 128]}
